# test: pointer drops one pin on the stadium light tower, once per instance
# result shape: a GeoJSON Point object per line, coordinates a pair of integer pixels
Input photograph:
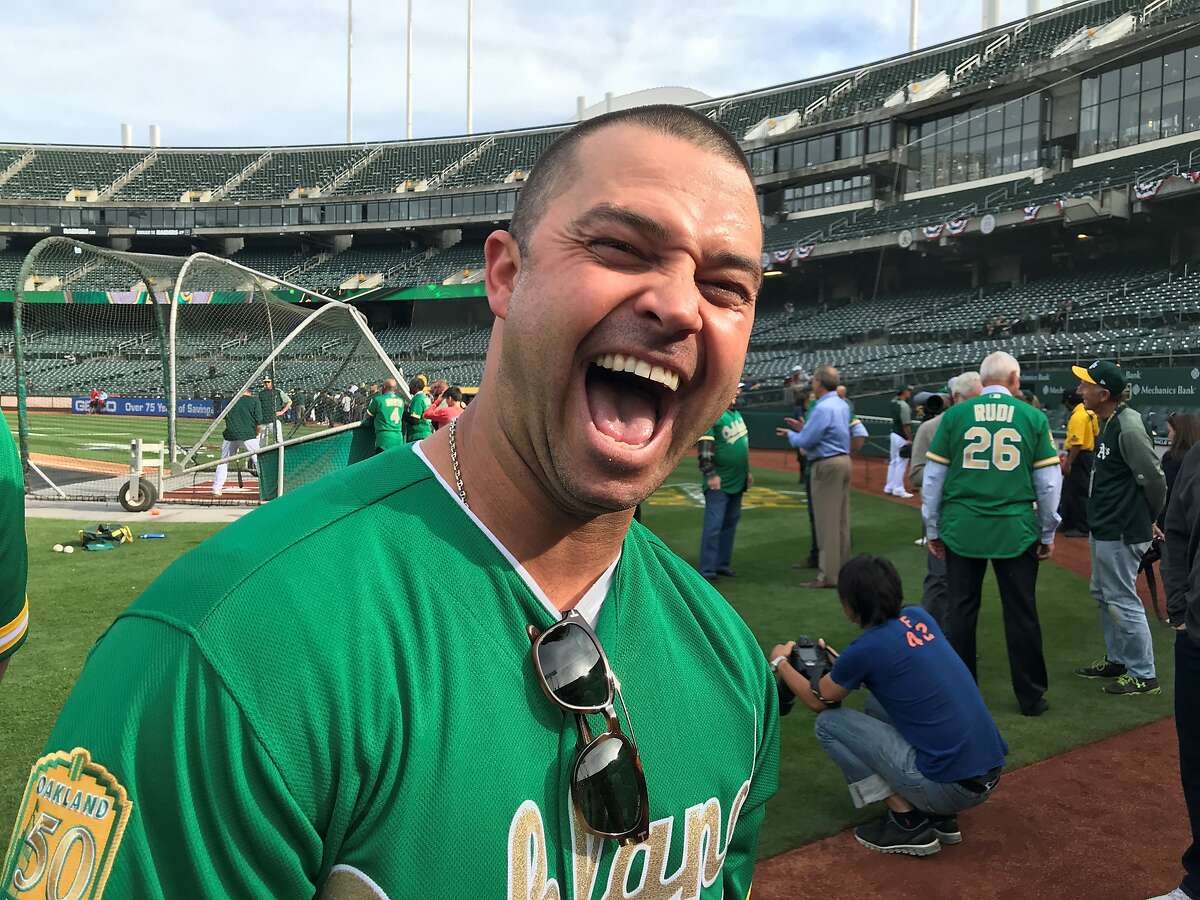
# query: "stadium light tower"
{"type": "Point", "coordinates": [408, 75]}
{"type": "Point", "coordinates": [912, 26]}
{"type": "Point", "coordinates": [470, 55]}
{"type": "Point", "coordinates": [991, 14]}
{"type": "Point", "coordinates": [349, 71]}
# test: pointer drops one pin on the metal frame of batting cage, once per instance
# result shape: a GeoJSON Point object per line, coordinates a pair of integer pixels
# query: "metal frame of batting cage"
{"type": "Point", "coordinates": [180, 466]}
{"type": "Point", "coordinates": [19, 304]}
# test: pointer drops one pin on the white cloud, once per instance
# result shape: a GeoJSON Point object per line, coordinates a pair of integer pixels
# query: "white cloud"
{"type": "Point", "coordinates": [225, 72]}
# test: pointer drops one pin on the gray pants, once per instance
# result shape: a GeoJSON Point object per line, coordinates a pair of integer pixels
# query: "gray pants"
{"type": "Point", "coordinates": [1122, 615]}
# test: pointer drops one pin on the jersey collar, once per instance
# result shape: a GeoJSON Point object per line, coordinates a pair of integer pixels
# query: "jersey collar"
{"type": "Point", "coordinates": [589, 604]}
{"type": "Point", "coordinates": [997, 389]}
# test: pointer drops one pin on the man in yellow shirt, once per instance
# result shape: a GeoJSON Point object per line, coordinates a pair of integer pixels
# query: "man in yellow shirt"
{"type": "Point", "coordinates": [1082, 429]}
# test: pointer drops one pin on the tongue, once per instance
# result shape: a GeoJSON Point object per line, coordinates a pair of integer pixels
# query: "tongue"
{"type": "Point", "coordinates": [625, 414]}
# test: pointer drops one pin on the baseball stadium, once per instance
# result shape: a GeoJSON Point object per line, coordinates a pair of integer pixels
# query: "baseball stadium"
{"type": "Point", "coordinates": [219, 530]}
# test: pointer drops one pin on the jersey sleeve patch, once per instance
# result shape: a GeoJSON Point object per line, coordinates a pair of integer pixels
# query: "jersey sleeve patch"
{"type": "Point", "coordinates": [70, 823]}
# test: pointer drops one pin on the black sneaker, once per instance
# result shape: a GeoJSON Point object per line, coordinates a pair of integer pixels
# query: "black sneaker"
{"type": "Point", "coordinates": [886, 835]}
{"type": "Point", "coordinates": [1131, 684]}
{"type": "Point", "coordinates": [1101, 668]}
{"type": "Point", "coordinates": [946, 829]}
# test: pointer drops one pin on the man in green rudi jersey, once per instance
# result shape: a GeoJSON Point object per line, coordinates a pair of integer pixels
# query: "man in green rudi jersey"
{"type": "Point", "coordinates": [990, 492]}
{"type": "Point", "coordinates": [14, 605]}
{"type": "Point", "coordinates": [390, 682]}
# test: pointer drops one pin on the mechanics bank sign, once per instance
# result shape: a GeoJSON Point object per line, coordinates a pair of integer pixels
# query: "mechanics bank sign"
{"type": "Point", "coordinates": [147, 406]}
{"type": "Point", "coordinates": [1150, 386]}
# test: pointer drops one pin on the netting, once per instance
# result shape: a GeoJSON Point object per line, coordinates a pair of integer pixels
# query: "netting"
{"type": "Point", "coordinates": [111, 346]}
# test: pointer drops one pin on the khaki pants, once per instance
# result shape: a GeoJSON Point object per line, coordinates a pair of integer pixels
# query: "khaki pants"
{"type": "Point", "coordinates": [831, 508]}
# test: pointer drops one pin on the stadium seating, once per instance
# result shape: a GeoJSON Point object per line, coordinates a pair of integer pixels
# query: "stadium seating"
{"type": "Point", "coordinates": [396, 164]}
{"type": "Point", "coordinates": [288, 170]}
{"type": "Point", "coordinates": [52, 173]}
{"type": "Point", "coordinates": [357, 261]}
{"type": "Point", "coordinates": [500, 158]}
{"type": "Point", "coordinates": [174, 172]}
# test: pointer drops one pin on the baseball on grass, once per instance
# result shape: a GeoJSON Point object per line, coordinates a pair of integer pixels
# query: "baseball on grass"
{"type": "Point", "coordinates": [68, 549]}
{"type": "Point", "coordinates": [58, 548]}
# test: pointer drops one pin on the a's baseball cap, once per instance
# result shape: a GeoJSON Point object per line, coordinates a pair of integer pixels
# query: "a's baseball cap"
{"type": "Point", "coordinates": [1104, 373]}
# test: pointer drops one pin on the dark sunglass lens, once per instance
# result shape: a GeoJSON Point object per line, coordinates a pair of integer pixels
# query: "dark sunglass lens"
{"type": "Point", "coordinates": [571, 664]}
{"type": "Point", "coordinates": [608, 787]}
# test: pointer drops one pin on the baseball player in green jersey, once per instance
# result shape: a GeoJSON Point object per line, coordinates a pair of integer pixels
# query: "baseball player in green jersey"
{"type": "Point", "coordinates": [1127, 491]}
{"type": "Point", "coordinates": [991, 460]}
{"type": "Point", "coordinates": [14, 605]}
{"type": "Point", "coordinates": [386, 411]}
{"type": "Point", "coordinates": [563, 709]}
{"type": "Point", "coordinates": [416, 426]}
{"type": "Point", "coordinates": [724, 452]}
{"type": "Point", "coordinates": [241, 433]}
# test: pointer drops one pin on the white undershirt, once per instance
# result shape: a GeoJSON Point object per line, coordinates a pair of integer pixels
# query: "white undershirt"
{"type": "Point", "coordinates": [589, 604]}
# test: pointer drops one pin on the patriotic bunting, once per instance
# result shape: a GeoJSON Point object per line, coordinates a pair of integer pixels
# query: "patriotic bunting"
{"type": "Point", "coordinates": [957, 226]}
{"type": "Point", "coordinates": [781, 256]}
{"type": "Point", "coordinates": [1031, 212]}
{"type": "Point", "coordinates": [1147, 190]}
{"type": "Point", "coordinates": [804, 251]}
{"type": "Point", "coordinates": [932, 232]}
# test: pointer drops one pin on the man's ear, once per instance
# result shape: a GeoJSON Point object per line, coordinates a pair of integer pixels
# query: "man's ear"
{"type": "Point", "coordinates": [502, 267]}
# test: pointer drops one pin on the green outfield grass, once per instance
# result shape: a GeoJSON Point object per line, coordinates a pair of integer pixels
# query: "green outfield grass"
{"type": "Point", "coordinates": [73, 599]}
{"type": "Point", "coordinates": [101, 437]}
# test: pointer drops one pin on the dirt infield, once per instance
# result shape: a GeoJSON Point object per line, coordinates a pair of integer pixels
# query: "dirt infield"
{"type": "Point", "coordinates": [1037, 837]}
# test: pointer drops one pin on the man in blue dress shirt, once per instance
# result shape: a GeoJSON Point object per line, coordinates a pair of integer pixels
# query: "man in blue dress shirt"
{"type": "Point", "coordinates": [825, 440]}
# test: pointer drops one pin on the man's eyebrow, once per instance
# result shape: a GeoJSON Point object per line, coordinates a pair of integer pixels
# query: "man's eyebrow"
{"type": "Point", "coordinates": [610, 213]}
{"type": "Point", "coordinates": [729, 260]}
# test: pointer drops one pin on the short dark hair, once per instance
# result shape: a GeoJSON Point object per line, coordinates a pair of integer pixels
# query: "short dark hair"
{"type": "Point", "coordinates": [559, 159]}
{"type": "Point", "coordinates": [454, 393]}
{"type": "Point", "coordinates": [416, 385]}
{"type": "Point", "coordinates": [870, 587]}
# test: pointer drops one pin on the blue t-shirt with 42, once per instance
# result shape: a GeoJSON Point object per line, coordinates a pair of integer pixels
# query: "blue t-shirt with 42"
{"type": "Point", "coordinates": [914, 673]}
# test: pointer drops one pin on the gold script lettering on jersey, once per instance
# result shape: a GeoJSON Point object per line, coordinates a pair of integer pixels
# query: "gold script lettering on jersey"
{"type": "Point", "coordinates": [700, 867]}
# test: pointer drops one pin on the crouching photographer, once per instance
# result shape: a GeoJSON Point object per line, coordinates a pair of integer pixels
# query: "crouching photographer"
{"type": "Point", "coordinates": [925, 745]}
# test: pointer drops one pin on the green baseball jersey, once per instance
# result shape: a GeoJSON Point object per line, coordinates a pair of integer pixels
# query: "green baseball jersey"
{"type": "Point", "coordinates": [1127, 489]}
{"type": "Point", "coordinates": [421, 428]}
{"type": "Point", "coordinates": [14, 551]}
{"type": "Point", "coordinates": [991, 445]}
{"type": "Point", "coordinates": [387, 414]}
{"type": "Point", "coordinates": [272, 400]}
{"type": "Point", "coordinates": [243, 419]}
{"type": "Point", "coordinates": [353, 708]}
{"type": "Point", "coordinates": [731, 450]}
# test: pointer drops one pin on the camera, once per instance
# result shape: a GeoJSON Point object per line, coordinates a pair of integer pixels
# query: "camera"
{"type": "Point", "coordinates": [812, 662]}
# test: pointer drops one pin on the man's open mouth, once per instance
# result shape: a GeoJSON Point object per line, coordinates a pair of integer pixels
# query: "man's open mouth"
{"type": "Point", "coordinates": [628, 397]}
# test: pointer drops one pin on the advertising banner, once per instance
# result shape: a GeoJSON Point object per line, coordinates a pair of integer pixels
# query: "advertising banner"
{"type": "Point", "coordinates": [147, 406]}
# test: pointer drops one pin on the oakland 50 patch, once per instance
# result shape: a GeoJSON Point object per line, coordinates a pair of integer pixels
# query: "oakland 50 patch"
{"type": "Point", "coordinates": [69, 827]}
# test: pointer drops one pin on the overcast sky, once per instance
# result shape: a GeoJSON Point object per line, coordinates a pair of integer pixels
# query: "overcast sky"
{"type": "Point", "coordinates": [254, 72]}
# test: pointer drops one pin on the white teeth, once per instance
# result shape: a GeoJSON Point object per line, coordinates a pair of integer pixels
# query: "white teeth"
{"type": "Point", "coordinates": [618, 362]}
